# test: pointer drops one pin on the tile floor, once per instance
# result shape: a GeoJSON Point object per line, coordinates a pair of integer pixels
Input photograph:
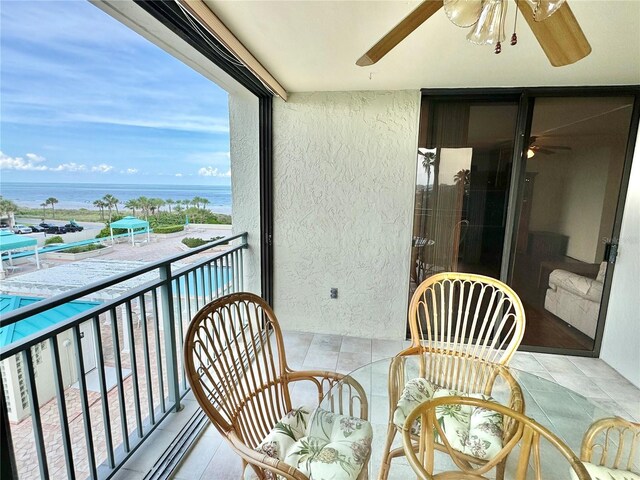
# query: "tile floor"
{"type": "Point", "coordinates": [211, 457]}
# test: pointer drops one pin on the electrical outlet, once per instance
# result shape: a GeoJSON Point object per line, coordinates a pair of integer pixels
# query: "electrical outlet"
{"type": "Point", "coordinates": [334, 293]}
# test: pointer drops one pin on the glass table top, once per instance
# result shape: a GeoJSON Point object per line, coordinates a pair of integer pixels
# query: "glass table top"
{"type": "Point", "coordinates": [377, 385]}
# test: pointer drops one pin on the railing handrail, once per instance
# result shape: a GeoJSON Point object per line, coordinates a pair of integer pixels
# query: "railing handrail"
{"type": "Point", "coordinates": [103, 307]}
{"type": "Point", "coordinates": [62, 298]}
{"type": "Point", "coordinates": [136, 332]}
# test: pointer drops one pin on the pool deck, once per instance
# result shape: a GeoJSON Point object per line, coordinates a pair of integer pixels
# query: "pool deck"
{"type": "Point", "coordinates": [161, 246]}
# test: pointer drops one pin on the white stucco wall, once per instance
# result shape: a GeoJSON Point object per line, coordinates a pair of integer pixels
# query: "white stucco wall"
{"type": "Point", "coordinates": [344, 181]}
{"type": "Point", "coordinates": [245, 180]}
{"type": "Point", "coordinates": [45, 379]}
{"type": "Point", "coordinates": [621, 341]}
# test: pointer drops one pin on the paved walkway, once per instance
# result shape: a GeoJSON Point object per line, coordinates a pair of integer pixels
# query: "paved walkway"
{"type": "Point", "coordinates": [160, 247]}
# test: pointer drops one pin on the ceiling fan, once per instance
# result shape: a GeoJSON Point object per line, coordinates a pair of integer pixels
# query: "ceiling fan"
{"type": "Point", "coordinates": [536, 147]}
{"type": "Point", "coordinates": [552, 22]}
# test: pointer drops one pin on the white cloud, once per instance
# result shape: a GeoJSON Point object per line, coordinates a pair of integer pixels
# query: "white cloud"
{"type": "Point", "coordinates": [68, 167]}
{"type": "Point", "coordinates": [178, 174]}
{"type": "Point", "coordinates": [18, 163]}
{"type": "Point", "coordinates": [35, 158]}
{"type": "Point", "coordinates": [186, 123]}
{"type": "Point", "coordinates": [34, 162]}
{"type": "Point", "coordinates": [131, 171]}
{"type": "Point", "coordinates": [102, 168]}
{"type": "Point", "coordinates": [212, 172]}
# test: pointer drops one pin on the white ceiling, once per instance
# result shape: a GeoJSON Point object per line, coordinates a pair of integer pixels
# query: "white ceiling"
{"type": "Point", "coordinates": [313, 46]}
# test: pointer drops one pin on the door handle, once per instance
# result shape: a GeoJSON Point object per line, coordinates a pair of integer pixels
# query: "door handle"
{"type": "Point", "coordinates": [611, 251]}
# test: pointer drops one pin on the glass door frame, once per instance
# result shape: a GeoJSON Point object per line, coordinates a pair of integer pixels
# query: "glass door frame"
{"type": "Point", "coordinates": [526, 98]}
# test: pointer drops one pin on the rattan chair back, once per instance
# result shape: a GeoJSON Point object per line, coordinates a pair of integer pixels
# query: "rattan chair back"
{"type": "Point", "coordinates": [421, 455]}
{"type": "Point", "coordinates": [234, 361]}
{"type": "Point", "coordinates": [613, 443]}
{"type": "Point", "coordinates": [466, 315]}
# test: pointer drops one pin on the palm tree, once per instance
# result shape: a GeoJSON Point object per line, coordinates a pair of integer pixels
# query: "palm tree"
{"type": "Point", "coordinates": [7, 208]}
{"type": "Point", "coordinates": [144, 204]}
{"type": "Point", "coordinates": [169, 202]}
{"type": "Point", "coordinates": [52, 201]}
{"type": "Point", "coordinates": [196, 201]}
{"type": "Point", "coordinates": [428, 161]}
{"type": "Point", "coordinates": [132, 205]}
{"type": "Point", "coordinates": [101, 205]}
{"type": "Point", "coordinates": [155, 204]}
{"type": "Point", "coordinates": [205, 202]}
{"type": "Point", "coordinates": [463, 177]}
{"type": "Point", "coordinates": [110, 202]}
{"type": "Point", "coordinates": [43, 205]}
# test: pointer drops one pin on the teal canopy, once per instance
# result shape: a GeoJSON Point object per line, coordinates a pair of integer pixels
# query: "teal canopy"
{"type": "Point", "coordinates": [35, 323]}
{"type": "Point", "coordinates": [11, 241]}
{"type": "Point", "coordinates": [130, 224]}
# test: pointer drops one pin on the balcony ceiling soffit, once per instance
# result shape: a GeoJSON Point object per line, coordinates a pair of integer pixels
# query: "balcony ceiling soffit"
{"type": "Point", "coordinates": [313, 45]}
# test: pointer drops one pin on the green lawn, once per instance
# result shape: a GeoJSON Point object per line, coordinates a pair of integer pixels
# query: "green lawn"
{"type": "Point", "coordinates": [160, 218]}
{"type": "Point", "coordinates": [79, 215]}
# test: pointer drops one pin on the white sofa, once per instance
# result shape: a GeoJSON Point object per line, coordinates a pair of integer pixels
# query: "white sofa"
{"type": "Point", "coordinates": [576, 299]}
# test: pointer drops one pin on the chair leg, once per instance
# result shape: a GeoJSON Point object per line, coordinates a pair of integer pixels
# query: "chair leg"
{"type": "Point", "coordinates": [500, 468]}
{"type": "Point", "coordinates": [386, 459]}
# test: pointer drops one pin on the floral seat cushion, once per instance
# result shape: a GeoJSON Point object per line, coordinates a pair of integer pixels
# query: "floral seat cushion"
{"type": "Point", "coordinates": [331, 447]}
{"type": "Point", "coordinates": [471, 430]}
{"type": "Point", "coordinates": [603, 473]}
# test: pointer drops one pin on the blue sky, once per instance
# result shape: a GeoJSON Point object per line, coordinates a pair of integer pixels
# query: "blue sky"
{"type": "Point", "coordinates": [85, 99]}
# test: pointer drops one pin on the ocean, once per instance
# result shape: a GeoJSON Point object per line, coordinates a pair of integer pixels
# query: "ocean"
{"type": "Point", "coordinates": [82, 195]}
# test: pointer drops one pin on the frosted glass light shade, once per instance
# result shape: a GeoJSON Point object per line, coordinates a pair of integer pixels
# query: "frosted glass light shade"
{"type": "Point", "coordinates": [463, 13]}
{"type": "Point", "coordinates": [490, 27]}
{"type": "Point", "coordinates": [544, 8]}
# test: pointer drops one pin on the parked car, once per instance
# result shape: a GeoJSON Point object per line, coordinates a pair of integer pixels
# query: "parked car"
{"type": "Point", "coordinates": [56, 230]}
{"type": "Point", "coordinates": [4, 226]}
{"type": "Point", "coordinates": [73, 227]}
{"type": "Point", "coordinates": [19, 228]}
{"type": "Point", "coordinates": [37, 228]}
{"type": "Point", "coordinates": [50, 228]}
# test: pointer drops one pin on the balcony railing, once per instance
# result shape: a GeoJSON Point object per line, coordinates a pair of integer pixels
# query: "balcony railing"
{"type": "Point", "coordinates": [113, 373]}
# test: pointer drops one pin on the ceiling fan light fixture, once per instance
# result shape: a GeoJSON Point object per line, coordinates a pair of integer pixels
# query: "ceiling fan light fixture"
{"type": "Point", "coordinates": [543, 9]}
{"type": "Point", "coordinates": [463, 13]}
{"type": "Point", "coordinates": [530, 153]}
{"type": "Point", "coordinates": [490, 27]}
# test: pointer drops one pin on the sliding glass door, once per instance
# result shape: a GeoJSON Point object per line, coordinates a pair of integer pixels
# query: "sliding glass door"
{"type": "Point", "coordinates": [463, 175]}
{"type": "Point", "coordinates": [572, 176]}
{"type": "Point", "coordinates": [525, 188]}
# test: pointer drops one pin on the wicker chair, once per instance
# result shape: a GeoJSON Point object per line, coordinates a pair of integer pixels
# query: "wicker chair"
{"type": "Point", "coordinates": [465, 316]}
{"type": "Point", "coordinates": [236, 366]}
{"type": "Point", "coordinates": [529, 433]}
{"type": "Point", "coordinates": [612, 443]}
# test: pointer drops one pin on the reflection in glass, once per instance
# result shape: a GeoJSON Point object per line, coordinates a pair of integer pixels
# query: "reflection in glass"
{"type": "Point", "coordinates": [566, 216]}
{"type": "Point", "coordinates": [463, 169]}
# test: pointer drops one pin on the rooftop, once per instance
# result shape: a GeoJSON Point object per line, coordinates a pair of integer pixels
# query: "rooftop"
{"type": "Point", "coordinates": [36, 323]}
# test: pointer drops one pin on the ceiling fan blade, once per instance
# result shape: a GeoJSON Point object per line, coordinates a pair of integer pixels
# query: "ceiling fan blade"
{"type": "Point", "coordinates": [544, 151]}
{"type": "Point", "coordinates": [398, 33]}
{"type": "Point", "coordinates": [559, 35]}
{"type": "Point", "coordinates": [556, 147]}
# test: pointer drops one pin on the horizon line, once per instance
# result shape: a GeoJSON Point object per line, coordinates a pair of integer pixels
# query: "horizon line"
{"type": "Point", "coordinates": [118, 183]}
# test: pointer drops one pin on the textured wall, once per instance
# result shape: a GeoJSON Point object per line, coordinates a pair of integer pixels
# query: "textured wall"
{"type": "Point", "coordinates": [344, 180]}
{"type": "Point", "coordinates": [245, 181]}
